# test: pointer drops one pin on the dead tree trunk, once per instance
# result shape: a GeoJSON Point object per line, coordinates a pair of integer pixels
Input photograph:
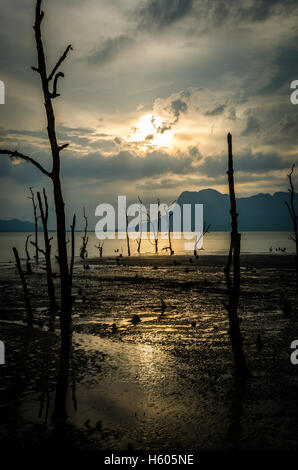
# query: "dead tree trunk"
{"type": "Point", "coordinates": [85, 239]}
{"type": "Point", "coordinates": [99, 247]}
{"type": "Point", "coordinates": [233, 281]}
{"type": "Point", "coordinates": [205, 230]}
{"type": "Point", "coordinates": [294, 217]}
{"type": "Point", "coordinates": [72, 247]}
{"type": "Point", "coordinates": [28, 264]}
{"type": "Point", "coordinates": [127, 237]}
{"type": "Point", "coordinates": [32, 197]}
{"type": "Point", "coordinates": [54, 175]}
{"type": "Point", "coordinates": [25, 289]}
{"type": "Point", "coordinates": [44, 213]}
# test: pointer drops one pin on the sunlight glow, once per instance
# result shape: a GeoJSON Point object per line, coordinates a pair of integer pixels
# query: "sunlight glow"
{"type": "Point", "coordinates": [147, 132]}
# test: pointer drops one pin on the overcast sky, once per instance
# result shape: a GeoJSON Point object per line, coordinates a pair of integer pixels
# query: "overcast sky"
{"type": "Point", "coordinates": [150, 91]}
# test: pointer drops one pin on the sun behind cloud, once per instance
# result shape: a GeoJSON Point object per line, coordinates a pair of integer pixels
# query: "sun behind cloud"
{"type": "Point", "coordinates": [149, 132]}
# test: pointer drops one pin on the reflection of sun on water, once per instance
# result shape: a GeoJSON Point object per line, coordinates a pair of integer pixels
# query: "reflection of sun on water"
{"type": "Point", "coordinates": [147, 132]}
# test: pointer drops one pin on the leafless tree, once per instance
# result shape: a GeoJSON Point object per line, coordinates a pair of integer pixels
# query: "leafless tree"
{"type": "Point", "coordinates": [153, 229]}
{"type": "Point", "coordinates": [28, 264]}
{"type": "Point", "coordinates": [233, 279]}
{"type": "Point", "coordinates": [72, 247]}
{"type": "Point", "coordinates": [54, 175]}
{"type": "Point", "coordinates": [99, 247]}
{"type": "Point", "coordinates": [44, 214]}
{"type": "Point", "coordinates": [32, 197]}
{"type": "Point", "coordinates": [139, 240]}
{"type": "Point", "coordinates": [168, 216]}
{"type": "Point", "coordinates": [25, 289]}
{"type": "Point", "coordinates": [294, 217]}
{"type": "Point", "coordinates": [85, 239]}
{"type": "Point", "coordinates": [127, 236]}
{"type": "Point", "coordinates": [198, 239]}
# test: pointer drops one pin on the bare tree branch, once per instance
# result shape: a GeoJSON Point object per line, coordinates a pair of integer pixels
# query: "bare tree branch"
{"type": "Point", "coordinates": [21, 156]}
{"type": "Point", "coordinates": [61, 59]}
{"type": "Point", "coordinates": [54, 94]}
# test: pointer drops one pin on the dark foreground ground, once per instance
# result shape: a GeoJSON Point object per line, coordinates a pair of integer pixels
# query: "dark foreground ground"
{"type": "Point", "coordinates": [161, 384]}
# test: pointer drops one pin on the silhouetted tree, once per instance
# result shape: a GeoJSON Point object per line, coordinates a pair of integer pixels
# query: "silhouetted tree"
{"type": "Point", "coordinates": [127, 236]}
{"type": "Point", "coordinates": [54, 175]}
{"type": "Point", "coordinates": [198, 239]}
{"type": "Point", "coordinates": [44, 214]}
{"type": "Point", "coordinates": [25, 289]}
{"type": "Point", "coordinates": [294, 217]}
{"type": "Point", "coordinates": [72, 247]}
{"type": "Point", "coordinates": [99, 247]}
{"type": "Point", "coordinates": [28, 264]}
{"type": "Point", "coordinates": [233, 281]}
{"type": "Point", "coordinates": [85, 239]}
{"type": "Point", "coordinates": [32, 197]}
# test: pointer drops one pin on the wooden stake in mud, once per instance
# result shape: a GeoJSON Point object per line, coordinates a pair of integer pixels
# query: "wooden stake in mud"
{"type": "Point", "coordinates": [232, 273]}
{"type": "Point", "coordinates": [25, 289]}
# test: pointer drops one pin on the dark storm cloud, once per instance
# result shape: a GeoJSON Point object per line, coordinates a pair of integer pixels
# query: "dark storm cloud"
{"type": "Point", "coordinates": [158, 14]}
{"type": "Point", "coordinates": [216, 111]}
{"type": "Point", "coordinates": [252, 126]}
{"type": "Point", "coordinates": [218, 12]}
{"type": "Point", "coordinates": [125, 166]}
{"type": "Point", "coordinates": [176, 108]}
{"type": "Point", "coordinates": [110, 49]}
{"type": "Point", "coordinates": [247, 162]}
{"type": "Point", "coordinates": [285, 66]}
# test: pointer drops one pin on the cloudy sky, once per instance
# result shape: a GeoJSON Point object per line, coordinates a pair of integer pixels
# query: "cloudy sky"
{"type": "Point", "coordinates": [151, 89]}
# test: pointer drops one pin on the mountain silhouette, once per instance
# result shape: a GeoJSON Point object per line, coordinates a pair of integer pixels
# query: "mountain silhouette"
{"type": "Point", "coordinates": [261, 212]}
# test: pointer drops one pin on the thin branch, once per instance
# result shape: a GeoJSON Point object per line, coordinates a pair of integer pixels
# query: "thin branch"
{"type": "Point", "coordinates": [21, 156]}
{"type": "Point", "coordinates": [55, 94]}
{"type": "Point", "coordinates": [61, 59]}
{"type": "Point", "coordinates": [62, 147]}
{"type": "Point", "coordinates": [38, 248]}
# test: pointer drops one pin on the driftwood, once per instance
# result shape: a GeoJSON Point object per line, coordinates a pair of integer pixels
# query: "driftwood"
{"type": "Point", "coordinates": [25, 289]}
{"type": "Point", "coordinates": [232, 274]}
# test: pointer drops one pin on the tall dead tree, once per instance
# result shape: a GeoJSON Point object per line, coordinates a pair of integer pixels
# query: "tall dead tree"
{"type": "Point", "coordinates": [25, 289]}
{"type": "Point", "coordinates": [99, 247]}
{"type": "Point", "coordinates": [139, 240]}
{"type": "Point", "coordinates": [44, 214]}
{"type": "Point", "coordinates": [85, 239]}
{"type": "Point", "coordinates": [293, 215]}
{"type": "Point", "coordinates": [127, 236]}
{"type": "Point", "coordinates": [28, 264]}
{"type": "Point", "coordinates": [32, 197]}
{"type": "Point", "coordinates": [72, 247]}
{"type": "Point", "coordinates": [151, 226]}
{"type": "Point", "coordinates": [198, 239]}
{"type": "Point", "coordinates": [54, 174]}
{"type": "Point", "coordinates": [232, 274]}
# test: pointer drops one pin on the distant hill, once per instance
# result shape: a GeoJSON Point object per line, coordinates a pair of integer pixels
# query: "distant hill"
{"type": "Point", "coordinates": [16, 225]}
{"type": "Point", "coordinates": [262, 212]}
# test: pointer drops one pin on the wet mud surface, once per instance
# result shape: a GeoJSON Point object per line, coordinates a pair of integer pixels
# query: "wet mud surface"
{"type": "Point", "coordinates": [164, 383]}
